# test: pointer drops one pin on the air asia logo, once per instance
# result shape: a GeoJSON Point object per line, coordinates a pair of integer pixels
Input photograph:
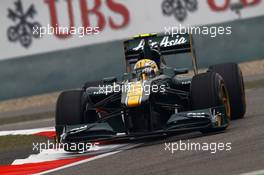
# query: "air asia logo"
{"type": "Point", "coordinates": [179, 8]}
{"type": "Point", "coordinates": [22, 31]}
{"type": "Point", "coordinates": [166, 42]}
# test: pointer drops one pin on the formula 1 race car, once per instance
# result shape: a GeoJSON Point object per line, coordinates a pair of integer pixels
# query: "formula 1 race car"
{"type": "Point", "coordinates": [152, 99]}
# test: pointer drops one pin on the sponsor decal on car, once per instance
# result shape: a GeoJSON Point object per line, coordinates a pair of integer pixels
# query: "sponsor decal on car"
{"type": "Point", "coordinates": [196, 115]}
{"type": "Point", "coordinates": [165, 42]}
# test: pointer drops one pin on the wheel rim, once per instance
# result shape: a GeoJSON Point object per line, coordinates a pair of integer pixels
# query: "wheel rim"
{"type": "Point", "coordinates": [226, 102]}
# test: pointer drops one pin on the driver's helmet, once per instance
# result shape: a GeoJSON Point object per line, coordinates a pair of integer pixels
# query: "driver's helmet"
{"type": "Point", "coordinates": [146, 68]}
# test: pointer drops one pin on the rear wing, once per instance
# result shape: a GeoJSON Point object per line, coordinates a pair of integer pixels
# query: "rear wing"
{"type": "Point", "coordinates": [165, 44]}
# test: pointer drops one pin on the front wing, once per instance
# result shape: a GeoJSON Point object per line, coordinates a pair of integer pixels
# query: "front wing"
{"type": "Point", "coordinates": [181, 122]}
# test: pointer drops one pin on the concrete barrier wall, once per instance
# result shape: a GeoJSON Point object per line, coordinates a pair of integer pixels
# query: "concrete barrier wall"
{"type": "Point", "coordinates": [71, 68]}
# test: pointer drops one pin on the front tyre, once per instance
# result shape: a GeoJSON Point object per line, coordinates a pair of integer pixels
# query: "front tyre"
{"type": "Point", "coordinates": [234, 82]}
{"type": "Point", "coordinates": [69, 110]}
{"type": "Point", "coordinates": [208, 90]}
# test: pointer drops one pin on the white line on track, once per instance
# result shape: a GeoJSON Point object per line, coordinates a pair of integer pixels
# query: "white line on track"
{"type": "Point", "coordinates": [26, 131]}
{"type": "Point", "coordinates": [59, 154]}
{"type": "Point", "coordinates": [79, 162]}
{"type": "Point", "coordinates": [125, 147]}
{"type": "Point", "coordinates": [258, 172]}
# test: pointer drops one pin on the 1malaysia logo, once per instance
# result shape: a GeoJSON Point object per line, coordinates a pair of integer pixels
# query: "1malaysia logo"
{"type": "Point", "coordinates": [179, 8]}
{"type": "Point", "coordinates": [22, 31]}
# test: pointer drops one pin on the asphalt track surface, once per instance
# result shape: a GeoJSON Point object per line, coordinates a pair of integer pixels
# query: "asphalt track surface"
{"type": "Point", "coordinates": [247, 153]}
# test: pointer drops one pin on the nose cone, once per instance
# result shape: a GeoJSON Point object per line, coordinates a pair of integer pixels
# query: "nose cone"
{"type": "Point", "coordinates": [132, 94]}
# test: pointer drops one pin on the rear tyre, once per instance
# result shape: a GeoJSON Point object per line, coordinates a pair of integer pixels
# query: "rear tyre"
{"type": "Point", "coordinates": [69, 110]}
{"type": "Point", "coordinates": [234, 82]}
{"type": "Point", "coordinates": [208, 90]}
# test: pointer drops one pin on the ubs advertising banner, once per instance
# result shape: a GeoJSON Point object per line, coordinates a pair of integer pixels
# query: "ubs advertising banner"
{"type": "Point", "coordinates": [38, 26]}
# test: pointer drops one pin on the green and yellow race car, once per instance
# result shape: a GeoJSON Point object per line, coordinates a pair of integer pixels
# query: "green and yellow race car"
{"type": "Point", "coordinates": [151, 98]}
